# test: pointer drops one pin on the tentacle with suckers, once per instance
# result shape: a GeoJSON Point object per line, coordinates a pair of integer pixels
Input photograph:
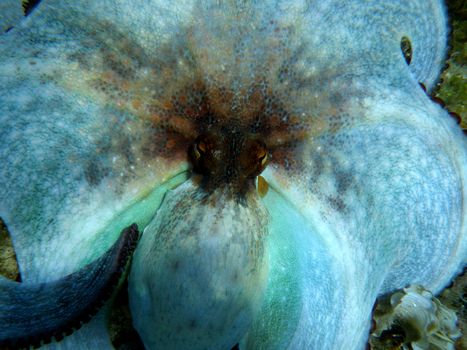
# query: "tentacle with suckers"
{"type": "Point", "coordinates": [34, 313]}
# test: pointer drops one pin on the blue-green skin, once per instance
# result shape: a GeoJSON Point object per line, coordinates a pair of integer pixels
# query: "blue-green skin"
{"type": "Point", "coordinates": [376, 203]}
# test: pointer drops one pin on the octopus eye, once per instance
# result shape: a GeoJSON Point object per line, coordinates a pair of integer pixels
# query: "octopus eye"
{"type": "Point", "coordinates": [254, 159]}
{"type": "Point", "coordinates": [199, 149]}
{"type": "Point", "coordinates": [263, 157]}
{"type": "Point", "coordinates": [202, 154]}
{"type": "Point", "coordinates": [201, 146]}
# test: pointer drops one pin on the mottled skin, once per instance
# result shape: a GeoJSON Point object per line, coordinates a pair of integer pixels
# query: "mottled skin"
{"type": "Point", "coordinates": [201, 273]}
{"type": "Point", "coordinates": [34, 313]}
{"type": "Point", "coordinates": [101, 100]}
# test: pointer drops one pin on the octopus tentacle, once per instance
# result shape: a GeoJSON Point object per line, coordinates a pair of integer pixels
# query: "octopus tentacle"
{"type": "Point", "coordinates": [34, 313]}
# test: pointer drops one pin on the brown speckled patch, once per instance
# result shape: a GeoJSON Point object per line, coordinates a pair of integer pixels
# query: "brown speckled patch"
{"type": "Point", "coordinates": [176, 101]}
{"type": "Point", "coordinates": [8, 263]}
{"type": "Point", "coordinates": [122, 333]}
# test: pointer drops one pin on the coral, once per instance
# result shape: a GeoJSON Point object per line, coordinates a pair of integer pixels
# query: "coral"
{"type": "Point", "coordinates": [412, 318]}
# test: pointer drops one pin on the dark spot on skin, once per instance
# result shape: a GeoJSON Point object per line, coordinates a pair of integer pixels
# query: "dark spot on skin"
{"type": "Point", "coordinates": [406, 48]}
{"type": "Point", "coordinates": [235, 276]}
{"type": "Point", "coordinates": [192, 324]}
{"type": "Point", "coordinates": [124, 68]}
{"type": "Point", "coordinates": [125, 148]}
{"type": "Point", "coordinates": [318, 164]}
{"type": "Point", "coordinates": [175, 265]}
{"type": "Point", "coordinates": [80, 58]}
{"type": "Point", "coordinates": [344, 180]}
{"type": "Point", "coordinates": [94, 173]}
{"type": "Point", "coordinates": [336, 203]}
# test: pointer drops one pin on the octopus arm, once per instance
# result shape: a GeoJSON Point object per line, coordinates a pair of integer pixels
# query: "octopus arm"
{"type": "Point", "coordinates": [76, 155]}
{"type": "Point", "coordinates": [372, 206]}
{"type": "Point", "coordinates": [34, 313]}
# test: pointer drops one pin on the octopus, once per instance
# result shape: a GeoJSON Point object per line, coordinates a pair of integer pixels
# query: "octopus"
{"type": "Point", "coordinates": [260, 171]}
